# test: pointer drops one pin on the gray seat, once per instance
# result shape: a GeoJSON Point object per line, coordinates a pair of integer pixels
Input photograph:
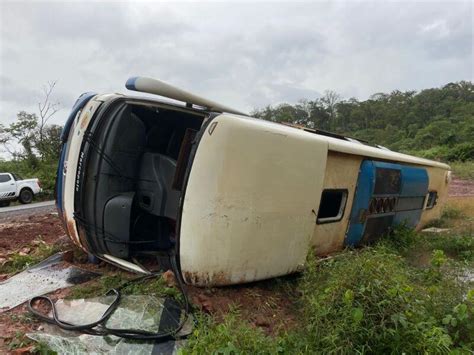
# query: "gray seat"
{"type": "Point", "coordinates": [155, 193]}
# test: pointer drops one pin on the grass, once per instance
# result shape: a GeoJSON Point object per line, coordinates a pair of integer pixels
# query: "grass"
{"type": "Point", "coordinates": [20, 340]}
{"type": "Point", "coordinates": [463, 170]}
{"type": "Point", "coordinates": [155, 286]}
{"type": "Point", "coordinates": [372, 301]}
{"type": "Point", "coordinates": [19, 262]}
{"type": "Point", "coordinates": [232, 336]}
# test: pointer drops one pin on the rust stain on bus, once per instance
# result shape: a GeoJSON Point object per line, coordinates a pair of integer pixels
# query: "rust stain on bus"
{"type": "Point", "coordinates": [71, 227]}
{"type": "Point", "coordinates": [205, 278]}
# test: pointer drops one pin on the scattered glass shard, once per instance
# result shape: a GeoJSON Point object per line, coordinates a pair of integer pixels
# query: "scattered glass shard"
{"type": "Point", "coordinates": [142, 312]}
{"type": "Point", "coordinates": [49, 275]}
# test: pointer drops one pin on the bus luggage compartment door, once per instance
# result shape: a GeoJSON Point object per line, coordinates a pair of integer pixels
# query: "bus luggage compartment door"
{"type": "Point", "coordinates": [386, 195]}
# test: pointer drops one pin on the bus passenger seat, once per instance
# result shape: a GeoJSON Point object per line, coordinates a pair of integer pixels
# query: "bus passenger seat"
{"type": "Point", "coordinates": [155, 193]}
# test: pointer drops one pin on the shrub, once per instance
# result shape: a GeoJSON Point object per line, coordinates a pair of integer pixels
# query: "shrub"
{"type": "Point", "coordinates": [461, 152]}
{"type": "Point", "coordinates": [373, 302]}
{"type": "Point", "coordinates": [463, 170]}
{"type": "Point", "coordinates": [232, 336]}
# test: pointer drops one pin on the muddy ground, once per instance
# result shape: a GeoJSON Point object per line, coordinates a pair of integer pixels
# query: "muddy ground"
{"type": "Point", "coordinates": [263, 304]}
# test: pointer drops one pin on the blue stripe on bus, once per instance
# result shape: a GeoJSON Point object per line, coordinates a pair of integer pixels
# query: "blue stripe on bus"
{"type": "Point", "coordinates": [59, 179]}
{"type": "Point", "coordinates": [414, 183]}
{"type": "Point", "coordinates": [78, 105]}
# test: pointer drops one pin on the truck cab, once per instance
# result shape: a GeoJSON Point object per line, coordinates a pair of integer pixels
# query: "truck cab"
{"type": "Point", "coordinates": [13, 187]}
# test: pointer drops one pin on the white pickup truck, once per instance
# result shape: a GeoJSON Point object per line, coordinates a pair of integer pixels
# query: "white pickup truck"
{"type": "Point", "coordinates": [13, 187]}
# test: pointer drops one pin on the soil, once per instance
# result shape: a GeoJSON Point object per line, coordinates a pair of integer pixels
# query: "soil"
{"type": "Point", "coordinates": [20, 232]}
{"type": "Point", "coordinates": [263, 304]}
{"type": "Point", "coordinates": [459, 187]}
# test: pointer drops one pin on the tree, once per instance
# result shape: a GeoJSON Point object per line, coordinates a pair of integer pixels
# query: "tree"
{"type": "Point", "coordinates": [46, 110]}
{"type": "Point", "coordinates": [23, 131]}
{"type": "Point", "coordinates": [330, 100]}
{"type": "Point", "coordinates": [51, 146]}
{"type": "Point", "coordinates": [31, 138]}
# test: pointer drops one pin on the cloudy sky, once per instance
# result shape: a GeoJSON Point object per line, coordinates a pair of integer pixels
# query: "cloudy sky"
{"type": "Point", "coordinates": [245, 55]}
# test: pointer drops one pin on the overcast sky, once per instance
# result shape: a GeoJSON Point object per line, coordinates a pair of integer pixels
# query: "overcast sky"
{"type": "Point", "coordinates": [245, 55]}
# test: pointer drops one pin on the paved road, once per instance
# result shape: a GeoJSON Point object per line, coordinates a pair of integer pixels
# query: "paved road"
{"type": "Point", "coordinates": [27, 210]}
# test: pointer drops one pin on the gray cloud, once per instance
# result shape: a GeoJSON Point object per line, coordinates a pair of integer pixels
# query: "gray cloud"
{"type": "Point", "coordinates": [244, 55]}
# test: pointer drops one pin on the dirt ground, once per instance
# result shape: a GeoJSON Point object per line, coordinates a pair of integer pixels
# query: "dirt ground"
{"type": "Point", "coordinates": [459, 187]}
{"type": "Point", "coordinates": [20, 232]}
{"type": "Point", "coordinates": [263, 304]}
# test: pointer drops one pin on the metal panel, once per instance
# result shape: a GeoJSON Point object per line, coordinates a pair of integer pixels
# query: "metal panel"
{"type": "Point", "coordinates": [386, 195]}
{"type": "Point", "coordinates": [251, 200]}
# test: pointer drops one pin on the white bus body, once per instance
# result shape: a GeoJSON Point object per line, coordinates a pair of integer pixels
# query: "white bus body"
{"type": "Point", "coordinates": [236, 198]}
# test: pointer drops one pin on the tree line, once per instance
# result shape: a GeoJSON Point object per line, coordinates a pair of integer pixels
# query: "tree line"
{"type": "Point", "coordinates": [435, 123]}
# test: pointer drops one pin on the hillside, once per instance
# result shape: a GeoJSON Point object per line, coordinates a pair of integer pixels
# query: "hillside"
{"type": "Point", "coordinates": [435, 123]}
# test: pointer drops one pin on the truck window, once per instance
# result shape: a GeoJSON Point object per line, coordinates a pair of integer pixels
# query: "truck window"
{"type": "Point", "coordinates": [4, 178]}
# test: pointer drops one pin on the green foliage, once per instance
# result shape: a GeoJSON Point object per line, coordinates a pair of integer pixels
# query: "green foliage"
{"type": "Point", "coordinates": [434, 123]}
{"type": "Point", "coordinates": [19, 341]}
{"type": "Point", "coordinates": [450, 212]}
{"type": "Point", "coordinates": [449, 216]}
{"type": "Point", "coordinates": [461, 152]}
{"type": "Point", "coordinates": [374, 302]}
{"type": "Point", "coordinates": [464, 170]}
{"type": "Point", "coordinates": [232, 336]}
{"type": "Point", "coordinates": [370, 301]}
{"type": "Point", "coordinates": [43, 349]}
{"type": "Point", "coordinates": [405, 241]}
{"type": "Point", "coordinates": [459, 247]}
{"type": "Point", "coordinates": [154, 286]}
{"type": "Point", "coordinates": [18, 261]}
{"type": "Point", "coordinates": [401, 239]}
{"type": "Point", "coordinates": [97, 287]}
{"type": "Point", "coordinates": [39, 155]}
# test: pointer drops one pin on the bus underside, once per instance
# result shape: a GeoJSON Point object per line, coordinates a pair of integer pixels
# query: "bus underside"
{"type": "Point", "coordinates": [131, 176]}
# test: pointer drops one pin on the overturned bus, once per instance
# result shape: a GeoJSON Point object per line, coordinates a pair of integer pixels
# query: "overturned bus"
{"type": "Point", "coordinates": [234, 198]}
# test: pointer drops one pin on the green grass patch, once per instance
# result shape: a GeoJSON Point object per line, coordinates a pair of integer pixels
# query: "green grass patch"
{"type": "Point", "coordinates": [410, 244]}
{"type": "Point", "coordinates": [373, 301]}
{"type": "Point", "coordinates": [449, 217]}
{"type": "Point", "coordinates": [459, 247]}
{"type": "Point", "coordinates": [18, 262]}
{"type": "Point", "coordinates": [155, 286]}
{"type": "Point", "coordinates": [231, 336]}
{"type": "Point", "coordinates": [463, 170]}
{"type": "Point", "coordinates": [18, 341]}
